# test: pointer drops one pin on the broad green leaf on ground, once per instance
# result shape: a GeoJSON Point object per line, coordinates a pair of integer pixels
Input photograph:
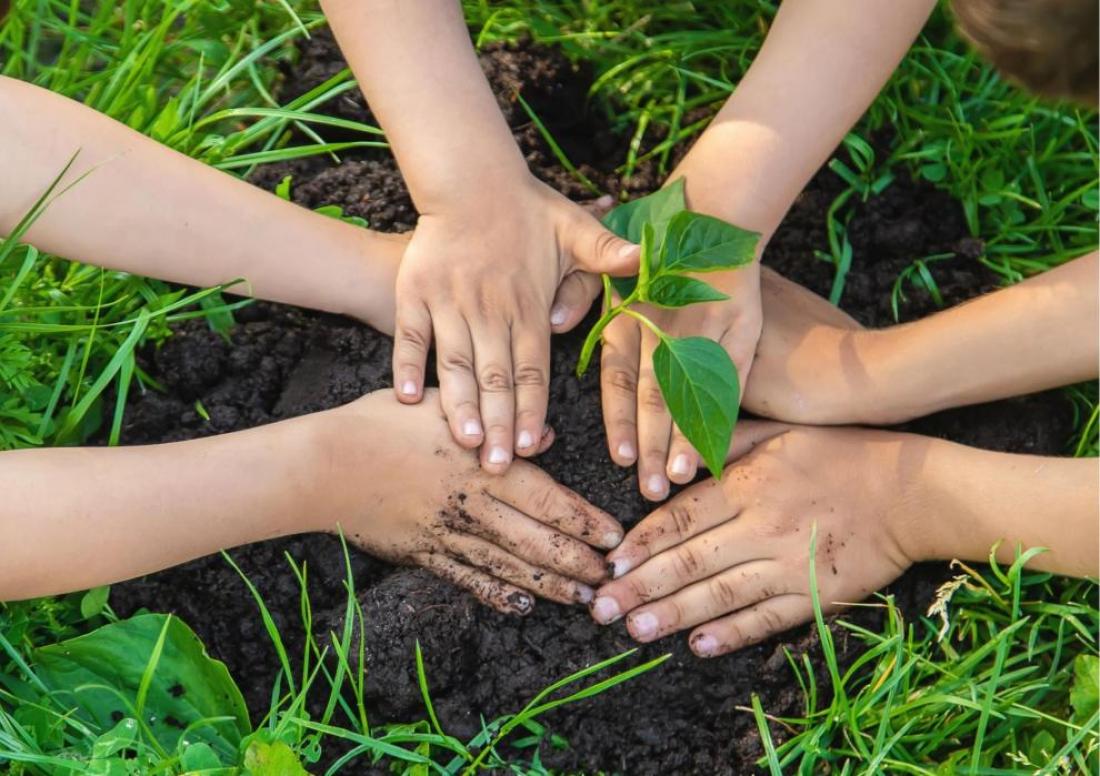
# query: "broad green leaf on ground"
{"type": "Point", "coordinates": [1084, 696]}
{"type": "Point", "coordinates": [272, 759]}
{"type": "Point", "coordinates": [680, 291]}
{"type": "Point", "coordinates": [657, 209]}
{"type": "Point", "coordinates": [700, 243]}
{"type": "Point", "coordinates": [102, 674]}
{"type": "Point", "coordinates": [700, 386]}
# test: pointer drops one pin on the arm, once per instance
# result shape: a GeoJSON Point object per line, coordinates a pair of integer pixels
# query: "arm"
{"type": "Point", "coordinates": [821, 65]}
{"type": "Point", "coordinates": [730, 559]}
{"type": "Point", "coordinates": [425, 503]}
{"type": "Point", "coordinates": [492, 244]}
{"type": "Point", "coordinates": [817, 366]}
{"type": "Point", "coordinates": [152, 211]}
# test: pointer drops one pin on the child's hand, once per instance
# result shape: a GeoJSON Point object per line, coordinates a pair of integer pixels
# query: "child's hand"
{"type": "Point", "coordinates": [817, 365]}
{"type": "Point", "coordinates": [639, 426]}
{"type": "Point", "coordinates": [413, 496]}
{"type": "Point", "coordinates": [730, 558]}
{"type": "Point", "coordinates": [481, 280]}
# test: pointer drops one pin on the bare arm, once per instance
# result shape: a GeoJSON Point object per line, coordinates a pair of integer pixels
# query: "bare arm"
{"type": "Point", "coordinates": [152, 211]}
{"type": "Point", "coordinates": [492, 244]}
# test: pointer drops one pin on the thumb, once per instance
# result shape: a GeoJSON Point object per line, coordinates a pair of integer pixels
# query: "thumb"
{"type": "Point", "coordinates": [749, 433]}
{"type": "Point", "coordinates": [595, 248]}
{"type": "Point", "coordinates": [574, 297]}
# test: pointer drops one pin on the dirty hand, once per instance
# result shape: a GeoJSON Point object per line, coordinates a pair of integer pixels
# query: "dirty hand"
{"type": "Point", "coordinates": [426, 501]}
{"type": "Point", "coordinates": [481, 279]}
{"type": "Point", "coordinates": [639, 426]}
{"type": "Point", "coordinates": [730, 558]}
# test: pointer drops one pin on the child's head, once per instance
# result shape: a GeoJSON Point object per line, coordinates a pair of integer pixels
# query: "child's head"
{"type": "Point", "coordinates": [1049, 46]}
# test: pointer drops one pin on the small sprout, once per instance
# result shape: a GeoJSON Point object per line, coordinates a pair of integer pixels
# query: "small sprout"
{"type": "Point", "coordinates": [698, 380]}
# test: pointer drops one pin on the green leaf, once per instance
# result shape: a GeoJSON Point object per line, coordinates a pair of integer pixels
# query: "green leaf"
{"type": "Point", "coordinates": [94, 601]}
{"type": "Point", "coordinates": [699, 382]}
{"type": "Point", "coordinates": [199, 757]}
{"type": "Point", "coordinates": [272, 759]}
{"type": "Point", "coordinates": [101, 673]}
{"type": "Point", "coordinates": [1084, 696]}
{"type": "Point", "coordinates": [701, 243]}
{"type": "Point", "coordinates": [680, 291]}
{"type": "Point", "coordinates": [656, 209]}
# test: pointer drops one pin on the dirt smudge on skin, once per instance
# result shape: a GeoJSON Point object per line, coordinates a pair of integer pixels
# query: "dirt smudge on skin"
{"type": "Point", "coordinates": [281, 362]}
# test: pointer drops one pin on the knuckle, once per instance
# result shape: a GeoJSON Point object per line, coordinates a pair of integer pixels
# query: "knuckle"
{"type": "Point", "coordinates": [685, 562]}
{"type": "Point", "coordinates": [455, 361]}
{"type": "Point", "coordinates": [411, 338]}
{"type": "Point", "coordinates": [770, 621]}
{"type": "Point", "coordinates": [651, 399]}
{"type": "Point", "coordinates": [543, 500]}
{"type": "Point", "coordinates": [723, 592]}
{"type": "Point", "coordinates": [494, 379]}
{"type": "Point", "coordinates": [673, 615]}
{"type": "Point", "coordinates": [622, 381]}
{"type": "Point", "coordinates": [530, 376]}
{"type": "Point", "coordinates": [682, 519]}
{"type": "Point", "coordinates": [603, 242]}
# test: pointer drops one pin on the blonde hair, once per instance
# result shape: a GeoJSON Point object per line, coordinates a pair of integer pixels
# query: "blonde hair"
{"type": "Point", "coordinates": [1048, 46]}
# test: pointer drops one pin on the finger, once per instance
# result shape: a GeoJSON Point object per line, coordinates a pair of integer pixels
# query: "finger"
{"type": "Point", "coordinates": [574, 297]}
{"type": "Point", "coordinates": [600, 206]}
{"type": "Point", "coordinates": [594, 248]}
{"type": "Point", "coordinates": [654, 425]}
{"type": "Point", "coordinates": [531, 370]}
{"type": "Point", "coordinates": [750, 433]}
{"type": "Point", "coordinates": [412, 338]}
{"type": "Point", "coordinates": [677, 569]}
{"type": "Point", "coordinates": [505, 598]}
{"type": "Point", "coordinates": [698, 509]}
{"type": "Point", "coordinates": [750, 626]}
{"type": "Point", "coordinates": [619, 389]}
{"type": "Point", "coordinates": [533, 492]}
{"type": "Point", "coordinates": [547, 440]}
{"type": "Point", "coordinates": [498, 563]}
{"type": "Point", "coordinates": [495, 521]}
{"type": "Point", "coordinates": [716, 596]}
{"type": "Point", "coordinates": [496, 399]}
{"type": "Point", "coordinates": [457, 385]}
{"type": "Point", "coordinates": [683, 460]}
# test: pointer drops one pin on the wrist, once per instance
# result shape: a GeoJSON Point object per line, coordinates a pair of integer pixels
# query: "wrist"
{"type": "Point", "coordinates": [475, 187]}
{"type": "Point", "coordinates": [922, 512]}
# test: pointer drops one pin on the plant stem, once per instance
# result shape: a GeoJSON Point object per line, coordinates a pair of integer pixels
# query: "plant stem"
{"type": "Point", "coordinates": [652, 326]}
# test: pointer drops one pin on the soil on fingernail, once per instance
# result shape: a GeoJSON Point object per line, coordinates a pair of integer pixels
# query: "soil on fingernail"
{"type": "Point", "coordinates": [281, 362]}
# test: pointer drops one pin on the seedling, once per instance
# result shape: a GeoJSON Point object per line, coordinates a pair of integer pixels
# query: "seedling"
{"type": "Point", "coordinates": [698, 380]}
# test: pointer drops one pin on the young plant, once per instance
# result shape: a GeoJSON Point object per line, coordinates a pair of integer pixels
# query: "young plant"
{"type": "Point", "coordinates": [698, 379]}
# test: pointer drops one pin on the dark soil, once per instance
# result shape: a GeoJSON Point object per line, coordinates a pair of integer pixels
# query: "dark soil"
{"type": "Point", "coordinates": [282, 362]}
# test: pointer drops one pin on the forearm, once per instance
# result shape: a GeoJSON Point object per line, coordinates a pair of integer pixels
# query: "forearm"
{"type": "Point", "coordinates": [1032, 336]}
{"type": "Point", "coordinates": [821, 65]}
{"type": "Point", "coordinates": [421, 77]}
{"type": "Point", "coordinates": [126, 511]}
{"type": "Point", "coordinates": [149, 210]}
{"type": "Point", "coordinates": [966, 500]}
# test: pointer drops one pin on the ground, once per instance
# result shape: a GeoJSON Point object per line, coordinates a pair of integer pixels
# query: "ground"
{"type": "Point", "coordinates": [281, 362]}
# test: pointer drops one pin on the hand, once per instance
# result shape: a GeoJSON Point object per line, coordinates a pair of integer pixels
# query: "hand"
{"type": "Point", "coordinates": [731, 558]}
{"type": "Point", "coordinates": [815, 364]}
{"type": "Point", "coordinates": [639, 426]}
{"type": "Point", "coordinates": [425, 501]}
{"type": "Point", "coordinates": [482, 280]}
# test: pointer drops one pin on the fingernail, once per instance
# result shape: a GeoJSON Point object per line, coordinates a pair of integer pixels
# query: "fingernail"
{"type": "Point", "coordinates": [498, 455]}
{"type": "Point", "coordinates": [408, 388]}
{"type": "Point", "coordinates": [628, 250]}
{"type": "Point", "coordinates": [619, 567]}
{"type": "Point", "coordinates": [643, 626]}
{"type": "Point", "coordinates": [584, 594]}
{"type": "Point", "coordinates": [605, 610]}
{"type": "Point", "coordinates": [471, 428]}
{"type": "Point", "coordinates": [704, 645]}
{"type": "Point", "coordinates": [681, 464]}
{"type": "Point", "coordinates": [656, 484]}
{"type": "Point", "coordinates": [626, 451]}
{"type": "Point", "coordinates": [524, 440]}
{"type": "Point", "coordinates": [558, 315]}
{"type": "Point", "coordinates": [521, 603]}
{"type": "Point", "coordinates": [611, 539]}
{"type": "Point", "coordinates": [605, 201]}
